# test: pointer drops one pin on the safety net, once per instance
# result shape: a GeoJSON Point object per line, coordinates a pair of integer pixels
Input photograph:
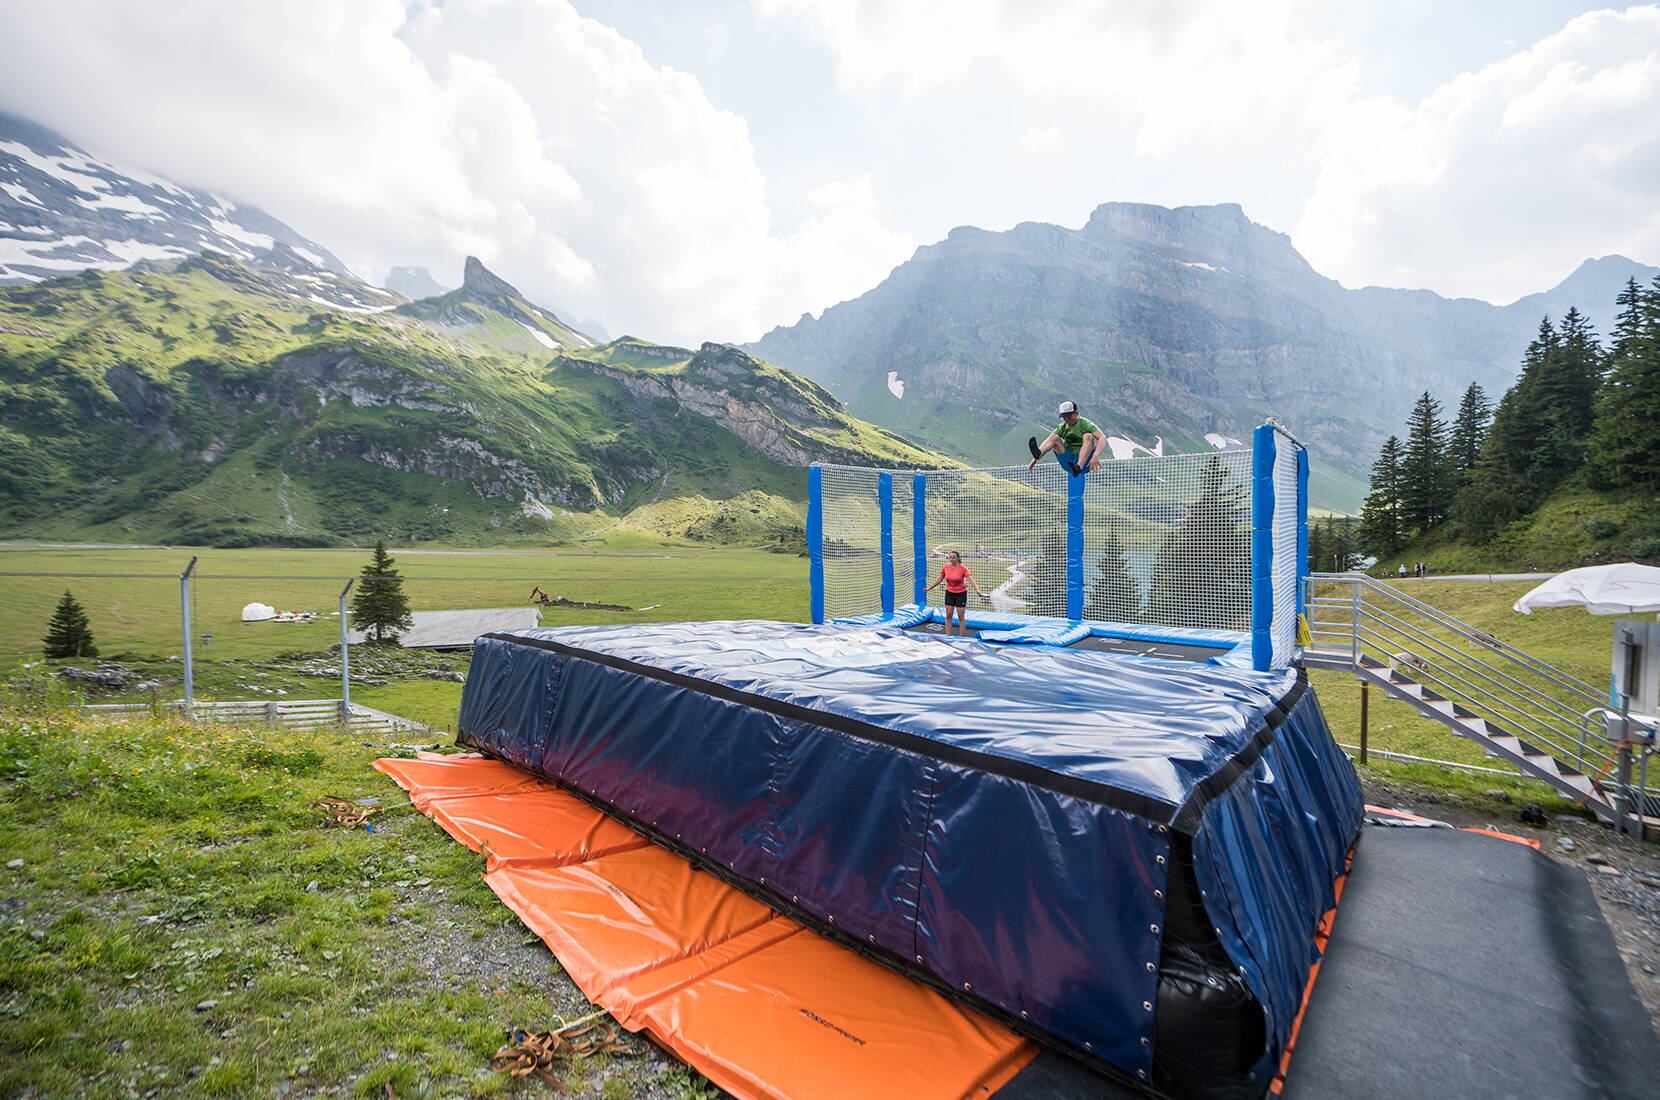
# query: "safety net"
{"type": "Point", "coordinates": [932, 803]}
{"type": "Point", "coordinates": [1210, 541]}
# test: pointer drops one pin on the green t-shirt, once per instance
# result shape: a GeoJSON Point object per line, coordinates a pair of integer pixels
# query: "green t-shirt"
{"type": "Point", "coordinates": [1073, 434]}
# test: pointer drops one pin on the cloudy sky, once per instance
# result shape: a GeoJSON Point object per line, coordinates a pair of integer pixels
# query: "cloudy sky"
{"type": "Point", "coordinates": [706, 169]}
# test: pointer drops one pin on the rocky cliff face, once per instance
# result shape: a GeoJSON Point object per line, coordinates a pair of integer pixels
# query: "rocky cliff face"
{"type": "Point", "coordinates": [785, 419]}
{"type": "Point", "coordinates": [1160, 322]}
{"type": "Point", "coordinates": [63, 210]}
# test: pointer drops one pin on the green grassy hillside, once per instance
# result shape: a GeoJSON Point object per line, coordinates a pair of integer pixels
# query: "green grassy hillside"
{"type": "Point", "coordinates": [214, 404]}
{"type": "Point", "coordinates": [1576, 525]}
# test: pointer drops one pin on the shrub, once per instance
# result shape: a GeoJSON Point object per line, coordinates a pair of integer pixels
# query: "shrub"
{"type": "Point", "coordinates": [1600, 528]}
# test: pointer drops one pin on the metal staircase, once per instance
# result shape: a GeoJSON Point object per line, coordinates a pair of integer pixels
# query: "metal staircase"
{"type": "Point", "coordinates": [1547, 723]}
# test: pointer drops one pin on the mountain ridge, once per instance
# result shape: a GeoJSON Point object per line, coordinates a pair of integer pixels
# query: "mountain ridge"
{"type": "Point", "coordinates": [1162, 322]}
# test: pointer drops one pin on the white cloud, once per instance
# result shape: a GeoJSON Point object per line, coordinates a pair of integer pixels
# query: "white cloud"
{"type": "Point", "coordinates": [517, 130]}
{"type": "Point", "coordinates": [1494, 186]}
{"type": "Point", "coordinates": [1524, 167]}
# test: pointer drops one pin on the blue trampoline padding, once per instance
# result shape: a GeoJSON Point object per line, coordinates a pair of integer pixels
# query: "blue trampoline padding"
{"type": "Point", "coordinates": [1056, 632]}
{"type": "Point", "coordinates": [995, 821]}
{"type": "Point", "coordinates": [1009, 628]}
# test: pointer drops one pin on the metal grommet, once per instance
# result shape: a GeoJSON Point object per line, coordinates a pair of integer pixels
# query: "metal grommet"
{"type": "Point", "coordinates": [763, 880]}
{"type": "Point", "coordinates": [1159, 860]}
{"type": "Point", "coordinates": [794, 899]}
{"type": "Point", "coordinates": [967, 987]}
{"type": "Point", "coordinates": [832, 920]}
{"type": "Point", "coordinates": [1158, 895]}
{"type": "Point", "coordinates": [1141, 1073]}
{"type": "Point", "coordinates": [919, 958]}
{"type": "Point", "coordinates": [1146, 1006]}
{"type": "Point", "coordinates": [1153, 928]}
{"type": "Point", "coordinates": [1024, 1015]}
{"type": "Point", "coordinates": [872, 939]}
{"type": "Point", "coordinates": [1164, 828]}
{"type": "Point", "coordinates": [1151, 968]}
{"type": "Point", "coordinates": [1146, 1042]}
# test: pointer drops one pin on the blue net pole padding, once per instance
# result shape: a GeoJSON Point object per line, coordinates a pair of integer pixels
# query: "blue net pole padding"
{"type": "Point", "coordinates": [1262, 549]}
{"type": "Point", "coordinates": [815, 543]}
{"type": "Point", "coordinates": [884, 506]}
{"type": "Point", "coordinates": [919, 538]}
{"type": "Point", "coordinates": [1075, 546]}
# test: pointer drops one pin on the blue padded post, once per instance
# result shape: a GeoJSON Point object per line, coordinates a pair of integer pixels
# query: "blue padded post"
{"type": "Point", "coordinates": [815, 543]}
{"type": "Point", "coordinates": [919, 537]}
{"type": "Point", "coordinates": [884, 507]}
{"type": "Point", "coordinates": [1262, 549]}
{"type": "Point", "coordinates": [1075, 546]}
{"type": "Point", "coordinates": [1302, 525]}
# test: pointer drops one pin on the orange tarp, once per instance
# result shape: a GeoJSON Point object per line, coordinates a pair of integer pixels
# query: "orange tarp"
{"type": "Point", "coordinates": [759, 1004]}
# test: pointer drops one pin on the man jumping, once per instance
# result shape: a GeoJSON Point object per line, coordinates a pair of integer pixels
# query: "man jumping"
{"type": "Point", "coordinates": [1076, 442]}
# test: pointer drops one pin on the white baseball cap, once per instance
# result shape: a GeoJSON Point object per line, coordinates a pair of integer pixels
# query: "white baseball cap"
{"type": "Point", "coordinates": [1068, 407]}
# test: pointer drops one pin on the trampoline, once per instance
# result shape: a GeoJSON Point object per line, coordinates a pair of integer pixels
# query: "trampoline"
{"type": "Point", "coordinates": [931, 803]}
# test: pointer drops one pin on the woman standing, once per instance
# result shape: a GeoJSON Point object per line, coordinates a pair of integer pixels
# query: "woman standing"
{"type": "Point", "coordinates": [957, 580]}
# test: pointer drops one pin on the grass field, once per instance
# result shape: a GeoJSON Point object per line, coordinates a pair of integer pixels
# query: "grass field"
{"type": "Point", "coordinates": [175, 921]}
{"type": "Point", "coordinates": [132, 610]}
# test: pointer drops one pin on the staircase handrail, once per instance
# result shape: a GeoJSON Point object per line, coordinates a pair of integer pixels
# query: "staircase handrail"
{"type": "Point", "coordinates": [1562, 679]}
{"type": "Point", "coordinates": [1568, 743]}
{"type": "Point", "coordinates": [1463, 660]}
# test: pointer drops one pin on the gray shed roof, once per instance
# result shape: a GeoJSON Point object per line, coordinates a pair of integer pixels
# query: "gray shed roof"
{"type": "Point", "coordinates": [456, 629]}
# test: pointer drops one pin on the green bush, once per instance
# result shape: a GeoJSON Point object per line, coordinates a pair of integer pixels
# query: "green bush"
{"type": "Point", "coordinates": [1646, 549]}
{"type": "Point", "coordinates": [1600, 528]}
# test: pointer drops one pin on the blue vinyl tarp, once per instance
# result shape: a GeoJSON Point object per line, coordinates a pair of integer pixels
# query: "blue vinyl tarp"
{"type": "Point", "coordinates": [994, 819]}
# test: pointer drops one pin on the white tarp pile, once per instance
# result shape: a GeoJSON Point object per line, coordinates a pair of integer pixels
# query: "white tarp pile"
{"type": "Point", "coordinates": [1623, 589]}
{"type": "Point", "coordinates": [258, 613]}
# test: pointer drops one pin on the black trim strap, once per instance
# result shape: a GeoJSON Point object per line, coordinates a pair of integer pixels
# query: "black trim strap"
{"type": "Point", "coordinates": [1184, 817]}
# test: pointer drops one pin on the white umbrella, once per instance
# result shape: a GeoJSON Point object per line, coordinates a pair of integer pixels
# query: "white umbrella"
{"type": "Point", "coordinates": [1623, 589]}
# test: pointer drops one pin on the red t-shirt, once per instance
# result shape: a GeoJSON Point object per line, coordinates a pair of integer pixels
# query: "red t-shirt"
{"type": "Point", "coordinates": [956, 577]}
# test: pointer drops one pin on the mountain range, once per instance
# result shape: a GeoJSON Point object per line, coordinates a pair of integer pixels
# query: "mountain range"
{"type": "Point", "coordinates": [1183, 327]}
{"type": "Point", "coordinates": [209, 376]}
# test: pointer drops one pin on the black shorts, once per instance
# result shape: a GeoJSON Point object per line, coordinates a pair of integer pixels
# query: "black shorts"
{"type": "Point", "coordinates": [956, 599]}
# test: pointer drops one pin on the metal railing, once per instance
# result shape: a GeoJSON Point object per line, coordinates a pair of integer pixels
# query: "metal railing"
{"type": "Point", "coordinates": [1353, 618]}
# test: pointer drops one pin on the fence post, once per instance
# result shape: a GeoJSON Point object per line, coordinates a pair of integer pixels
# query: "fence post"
{"type": "Point", "coordinates": [184, 615]}
{"type": "Point", "coordinates": [1365, 717]}
{"type": "Point", "coordinates": [815, 543]}
{"type": "Point", "coordinates": [919, 538]}
{"type": "Point", "coordinates": [1075, 546]}
{"type": "Point", "coordinates": [1262, 549]}
{"type": "Point", "coordinates": [884, 506]}
{"type": "Point", "coordinates": [345, 658]}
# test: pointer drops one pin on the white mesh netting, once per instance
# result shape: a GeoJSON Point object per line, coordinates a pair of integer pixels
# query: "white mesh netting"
{"type": "Point", "coordinates": [1166, 540]}
{"type": "Point", "coordinates": [1285, 570]}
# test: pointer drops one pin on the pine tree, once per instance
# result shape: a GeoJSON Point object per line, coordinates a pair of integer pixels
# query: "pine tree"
{"type": "Point", "coordinates": [1426, 478]}
{"type": "Point", "coordinates": [1469, 431]}
{"type": "Point", "coordinates": [1115, 596]}
{"type": "Point", "coordinates": [1203, 569]}
{"type": "Point", "coordinates": [69, 634]}
{"type": "Point", "coordinates": [1046, 593]}
{"type": "Point", "coordinates": [1565, 390]}
{"type": "Point", "coordinates": [380, 606]}
{"type": "Point", "coordinates": [1381, 528]}
{"type": "Point", "coordinates": [1625, 446]}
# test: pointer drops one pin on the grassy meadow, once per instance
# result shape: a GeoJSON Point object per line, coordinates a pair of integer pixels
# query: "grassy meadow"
{"type": "Point", "coordinates": [135, 607]}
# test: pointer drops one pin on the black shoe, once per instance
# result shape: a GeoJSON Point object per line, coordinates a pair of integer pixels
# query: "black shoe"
{"type": "Point", "coordinates": [1031, 441]}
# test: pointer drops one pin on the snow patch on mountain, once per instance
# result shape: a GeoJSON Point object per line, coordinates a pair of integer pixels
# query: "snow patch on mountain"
{"type": "Point", "coordinates": [63, 209]}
